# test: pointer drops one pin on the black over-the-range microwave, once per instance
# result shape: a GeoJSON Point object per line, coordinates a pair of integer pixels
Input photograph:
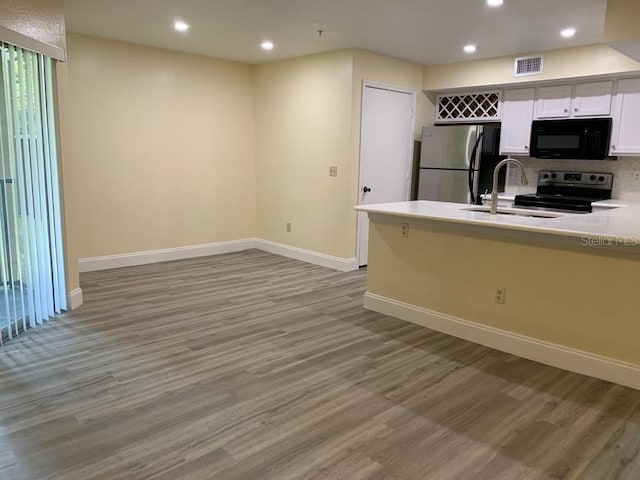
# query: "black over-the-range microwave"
{"type": "Point", "coordinates": [583, 139]}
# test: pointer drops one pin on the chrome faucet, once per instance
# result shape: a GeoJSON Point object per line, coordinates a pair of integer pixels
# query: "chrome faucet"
{"type": "Point", "coordinates": [496, 173]}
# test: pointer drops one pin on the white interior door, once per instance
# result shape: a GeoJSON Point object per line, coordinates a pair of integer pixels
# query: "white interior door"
{"type": "Point", "coordinates": [386, 143]}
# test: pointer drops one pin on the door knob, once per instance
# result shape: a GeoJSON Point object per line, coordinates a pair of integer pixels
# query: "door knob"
{"type": "Point", "coordinates": [366, 189]}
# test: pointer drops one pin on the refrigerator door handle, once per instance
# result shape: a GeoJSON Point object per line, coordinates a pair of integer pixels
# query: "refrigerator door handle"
{"type": "Point", "coordinates": [472, 168]}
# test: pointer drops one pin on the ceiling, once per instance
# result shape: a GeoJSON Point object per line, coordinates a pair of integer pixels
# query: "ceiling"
{"type": "Point", "coordinates": [423, 31]}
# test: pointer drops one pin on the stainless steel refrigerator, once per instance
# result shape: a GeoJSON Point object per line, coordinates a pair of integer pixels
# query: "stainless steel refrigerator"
{"type": "Point", "coordinates": [456, 162]}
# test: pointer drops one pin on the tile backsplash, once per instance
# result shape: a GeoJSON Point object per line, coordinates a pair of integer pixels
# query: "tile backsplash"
{"type": "Point", "coordinates": [624, 187]}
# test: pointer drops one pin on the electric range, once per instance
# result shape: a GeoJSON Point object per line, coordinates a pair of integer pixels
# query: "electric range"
{"type": "Point", "coordinates": [567, 191]}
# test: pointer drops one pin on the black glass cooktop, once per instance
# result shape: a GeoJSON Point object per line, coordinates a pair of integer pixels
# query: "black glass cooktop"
{"type": "Point", "coordinates": [554, 202]}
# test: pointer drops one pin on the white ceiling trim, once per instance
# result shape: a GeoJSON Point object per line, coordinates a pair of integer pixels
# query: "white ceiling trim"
{"type": "Point", "coordinates": [20, 40]}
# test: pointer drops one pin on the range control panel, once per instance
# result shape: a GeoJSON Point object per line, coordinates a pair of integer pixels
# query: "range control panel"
{"type": "Point", "coordinates": [601, 181]}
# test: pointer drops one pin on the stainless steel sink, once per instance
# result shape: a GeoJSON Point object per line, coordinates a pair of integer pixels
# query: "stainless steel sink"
{"type": "Point", "coordinates": [519, 212]}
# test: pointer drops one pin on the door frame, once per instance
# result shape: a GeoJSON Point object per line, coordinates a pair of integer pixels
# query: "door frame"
{"type": "Point", "coordinates": [392, 88]}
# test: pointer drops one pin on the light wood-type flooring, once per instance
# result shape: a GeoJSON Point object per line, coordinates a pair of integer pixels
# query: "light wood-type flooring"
{"type": "Point", "coordinates": [253, 366]}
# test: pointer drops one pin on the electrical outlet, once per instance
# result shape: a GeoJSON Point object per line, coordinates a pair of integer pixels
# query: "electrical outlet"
{"type": "Point", "coordinates": [288, 227]}
{"type": "Point", "coordinates": [636, 177]}
{"type": "Point", "coordinates": [500, 295]}
{"type": "Point", "coordinates": [404, 230]}
{"type": "Point", "coordinates": [333, 171]}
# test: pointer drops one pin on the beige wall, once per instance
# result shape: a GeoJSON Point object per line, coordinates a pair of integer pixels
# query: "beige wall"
{"type": "Point", "coordinates": [307, 119]}
{"type": "Point", "coordinates": [621, 27]}
{"type": "Point", "coordinates": [561, 64]}
{"type": "Point", "coordinates": [162, 148]}
{"type": "Point", "coordinates": [454, 271]}
{"type": "Point", "coordinates": [621, 22]}
{"type": "Point", "coordinates": [41, 20]}
{"type": "Point", "coordinates": [165, 152]}
{"type": "Point", "coordinates": [303, 126]}
{"type": "Point", "coordinates": [67, 173]}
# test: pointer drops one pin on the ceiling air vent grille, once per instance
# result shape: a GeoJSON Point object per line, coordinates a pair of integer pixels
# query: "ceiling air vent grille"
{"type": "Point", "coordinates": [525, 66]}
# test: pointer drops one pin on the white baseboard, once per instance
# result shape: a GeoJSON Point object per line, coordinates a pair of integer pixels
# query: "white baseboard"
{"type": "Point", "coordinates": [164, 255]}
{"type": "Point", "coordinates": [540, 351]}
{"type": "Point", "coordinates": [315, 258]}
{"type": "Point", "coordinates": [75, 299]}
{"type": "Point", "coordinates": [168, 254]}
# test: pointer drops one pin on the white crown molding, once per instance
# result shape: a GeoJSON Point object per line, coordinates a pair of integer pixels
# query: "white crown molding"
{"type": "Point", "coordinates": [534, 349]}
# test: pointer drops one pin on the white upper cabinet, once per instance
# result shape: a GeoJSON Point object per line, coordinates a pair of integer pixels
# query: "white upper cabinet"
{"type": "Point", "coordinates": [554, 102]}
{"type": "Point", "coordinates": [517, 114]}
{"type": "Point", "coordinates": [589, 100]}
{"type": "Point", "coordinates": [592, 99]}
{"type": "Point", "coordinates": [625, 136]}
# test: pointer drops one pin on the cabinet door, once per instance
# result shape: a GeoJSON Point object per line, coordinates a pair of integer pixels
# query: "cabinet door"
{"type": "Point", "coordinates": [517, 114]}
{"type": "Point", "coordinates": [554, 102]}
{"type": "Point", "coordinates": [625, 136]}
{"type": "Point", "coordinates": [592, 99]}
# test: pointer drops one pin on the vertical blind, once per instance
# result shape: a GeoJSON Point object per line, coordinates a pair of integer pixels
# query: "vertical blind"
{"type": "Point", "coordinates": [31, 252]}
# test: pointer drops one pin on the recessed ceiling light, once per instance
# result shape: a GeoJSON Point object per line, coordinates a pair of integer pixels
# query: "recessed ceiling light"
{"type": "Point", "coordinates": [267, 45]}
{"type": "Point", "coordinates": [568, 32]}
{"type": "Point", "coordinates": [495, 3]}
{"type": "Point", "coordinates": [469, 48]}
{"type": "Point", "coordinates": [181, 26]}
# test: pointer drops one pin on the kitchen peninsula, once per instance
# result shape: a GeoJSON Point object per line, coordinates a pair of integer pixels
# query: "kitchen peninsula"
{"type": "Point", "coordinates": [562, 291]}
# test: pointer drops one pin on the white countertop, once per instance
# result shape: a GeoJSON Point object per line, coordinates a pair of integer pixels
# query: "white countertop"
{"type": "Point", "coordinates": [619, 226]}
